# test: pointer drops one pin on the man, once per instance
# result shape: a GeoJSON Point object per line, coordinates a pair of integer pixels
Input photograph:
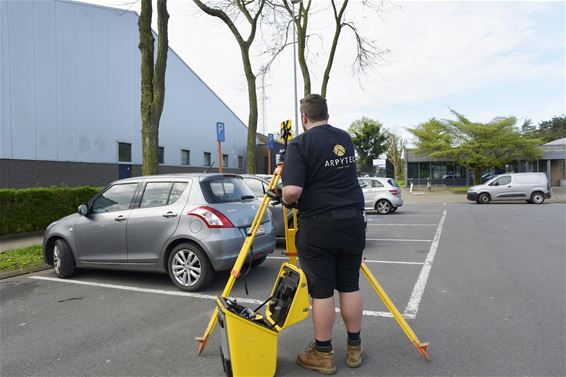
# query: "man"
{"type": "Point", "coordinates": [320, 173]}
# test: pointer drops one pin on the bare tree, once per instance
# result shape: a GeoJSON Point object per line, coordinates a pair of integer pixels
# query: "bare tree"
{"type": "Point", "coordinates": [228, 11]}
{"type": "Point", "coordinates": [152, 81]}
{"type": "Point", "coordinates": [366, 51]}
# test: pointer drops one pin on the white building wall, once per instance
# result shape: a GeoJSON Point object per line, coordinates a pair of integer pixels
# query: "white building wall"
{"type": "Point", "coordinates": [71, 89]}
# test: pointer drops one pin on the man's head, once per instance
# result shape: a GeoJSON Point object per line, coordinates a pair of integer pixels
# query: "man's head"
{"type": "Point", "coordinates": [314, 110]}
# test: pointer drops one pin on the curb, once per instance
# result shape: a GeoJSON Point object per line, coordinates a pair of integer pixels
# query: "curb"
{"type": "Point", "coordinates": [11, 274]}
{"type": "Point", "coordinates": [17, 236]}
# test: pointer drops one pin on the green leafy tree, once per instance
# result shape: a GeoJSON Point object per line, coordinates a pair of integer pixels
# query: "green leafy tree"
{"type": "Point", "coordinates": [395, 149]}
{"type": "Point", "coordinates": [552, 129]}
{"type": "Point", "coordinates": [369, 141]}
{"type": "Point", "coordinates": [478, 146]}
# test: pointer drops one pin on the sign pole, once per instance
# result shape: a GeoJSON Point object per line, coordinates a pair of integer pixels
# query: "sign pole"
{"type": "Point", "coordinates": [219, 157]}
{"type": "Point", "coordinates": [269, 161]}
{"type": "Point", "coordinates": [270, 145]}
{"type": "Point", "coordinates": [220, 137]}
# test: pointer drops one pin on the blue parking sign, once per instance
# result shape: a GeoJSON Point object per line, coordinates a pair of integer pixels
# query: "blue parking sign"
{"type": "Point", "coordinates": [220, 131]}
{"type": "Point", "coordinates": [270, 141]}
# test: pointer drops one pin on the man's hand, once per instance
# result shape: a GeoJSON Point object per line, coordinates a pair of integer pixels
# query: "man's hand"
{"type": "Point", "coordinates": [276, 196]}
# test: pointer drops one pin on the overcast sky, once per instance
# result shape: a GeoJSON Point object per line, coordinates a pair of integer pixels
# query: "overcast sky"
{"type": "Point", "coordinates": [482, 59]}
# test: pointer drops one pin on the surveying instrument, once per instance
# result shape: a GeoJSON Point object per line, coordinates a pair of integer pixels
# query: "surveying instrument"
{"type": "Point", "coordinates": [249, 338]}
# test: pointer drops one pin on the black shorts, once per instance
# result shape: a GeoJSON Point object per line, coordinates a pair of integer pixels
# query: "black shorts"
{"type": "Point", "coordinates": [330, 252]}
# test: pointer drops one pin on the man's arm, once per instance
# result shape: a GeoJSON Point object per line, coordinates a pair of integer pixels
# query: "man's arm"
{"type": "Point", "coordinates": [291, 193]}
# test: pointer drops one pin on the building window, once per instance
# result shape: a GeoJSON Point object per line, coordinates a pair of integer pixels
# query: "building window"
{"type": "Point", "coordinates": [185, 157]}
{"type": "Point", "coordinates": [225, 160]}
{"type": "Point", "coordinates": [206, 158]}
{"type": "Point", "coordinates": [124, 152]}
{"type": "Point", "coordinates": [161, 154]}
{"type": "Point", "coordinates": [240, 162]}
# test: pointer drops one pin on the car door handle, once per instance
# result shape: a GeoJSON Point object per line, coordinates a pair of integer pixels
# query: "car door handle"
{"type": "Point", "coordinates": [169, 214]}
{"type": "Point", "coordinates": [119, 219]}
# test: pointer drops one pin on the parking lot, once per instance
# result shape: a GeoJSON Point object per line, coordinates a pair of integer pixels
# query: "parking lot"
{"type": "Point", "coordinates": [484, 284]}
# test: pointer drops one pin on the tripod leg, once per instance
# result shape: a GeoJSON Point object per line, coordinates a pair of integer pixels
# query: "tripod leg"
{"type": "Point", "coordinates": [239, 261]}
{"type": "Point", "coordinates": [421, 347]}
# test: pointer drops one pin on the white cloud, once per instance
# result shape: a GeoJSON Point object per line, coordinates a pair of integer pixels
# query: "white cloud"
{"type": "Point", "coordinates": [440, 52]}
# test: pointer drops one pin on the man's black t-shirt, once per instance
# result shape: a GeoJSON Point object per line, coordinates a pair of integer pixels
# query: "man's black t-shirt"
{"type": "Point", "coordinates": [323, 163]}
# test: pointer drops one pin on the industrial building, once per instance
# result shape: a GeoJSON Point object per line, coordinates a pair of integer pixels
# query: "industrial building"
{"type": "Point", "coordinates": [419, 167]}
{"type": "Point", "coordinates": [70, 100]}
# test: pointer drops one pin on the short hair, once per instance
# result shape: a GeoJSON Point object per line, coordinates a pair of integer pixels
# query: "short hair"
{"type": "Point", "coordinates": [314, 107]}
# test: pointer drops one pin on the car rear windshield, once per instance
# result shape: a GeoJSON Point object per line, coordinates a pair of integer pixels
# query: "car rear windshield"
{"type": "Point", "coordinates": [392, 183]}
{"type": "Point", "coordinates": [225, 189]}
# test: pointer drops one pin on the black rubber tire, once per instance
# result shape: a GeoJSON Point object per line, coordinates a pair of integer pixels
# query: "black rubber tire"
{"type": "Point", "coordinates": [393, 209]}
{"type": "Point", "coordinates": [63, 260]}
{"type": "Point", "coordinates": [194, 259]}
{"type": "Point", "coordinates": [537, 197]}
{"type": "Point", "coordinates": [383, 207]}
{"type": "Point", "coordinates": [484, 198]}
{"type": "Point", "coordinates": [258, 262]}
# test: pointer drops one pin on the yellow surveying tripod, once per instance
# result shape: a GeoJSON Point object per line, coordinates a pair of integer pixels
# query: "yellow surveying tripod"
{"type": "Point", "coordinates": [291, 251]}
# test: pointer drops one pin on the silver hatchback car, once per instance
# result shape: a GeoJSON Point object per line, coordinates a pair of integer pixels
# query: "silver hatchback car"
{"type": "Point", "coordinates": [381, 193]}
{"type": "Point", "coordinates": [186, 225]}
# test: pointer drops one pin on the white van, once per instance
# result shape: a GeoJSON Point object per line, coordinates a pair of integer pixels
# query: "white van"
{"type": "Point", "coordinates": [532, 187]}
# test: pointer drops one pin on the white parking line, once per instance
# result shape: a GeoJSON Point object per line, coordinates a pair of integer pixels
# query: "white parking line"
{"type": "Point", "coordinates": [393, 224]}
{"type": "Point", "coordinates": [367, 261]}
{"type": "Point", "coordinates": [137, 289]}
{"type": "Point", "coordinates": [391, 262]}
{"type": "Point", "coordinates": [369, 313]}
{"type": "Point", "coordinates": [417, 295]}
{"type": "Point", "coordinates": [396, 240]}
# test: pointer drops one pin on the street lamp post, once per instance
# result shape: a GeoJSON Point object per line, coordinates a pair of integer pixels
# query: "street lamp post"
{"type": "Point", "coordinates": [295, 70]}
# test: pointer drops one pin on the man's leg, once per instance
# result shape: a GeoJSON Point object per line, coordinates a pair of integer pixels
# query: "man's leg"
{"type": "Point", "coordinates": [323, 315]}
{"type": "Point", "coordinates": [351, 307]}
{"type": "Point", "coordinates": [319, 356]}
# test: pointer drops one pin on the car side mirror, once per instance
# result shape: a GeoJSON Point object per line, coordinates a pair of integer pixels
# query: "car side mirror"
{"type": "Point", "coordinates": [83, 210]}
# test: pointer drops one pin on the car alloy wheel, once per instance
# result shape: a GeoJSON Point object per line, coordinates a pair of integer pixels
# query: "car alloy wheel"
{"type": "Point", "coordinates": [63, 260]}
{"type": "Point", "coordinates": [383, 207]}
{"type": "Point", "coordinates": [187, 267]}
{"type": "Point", "coordinates": [57, 259]}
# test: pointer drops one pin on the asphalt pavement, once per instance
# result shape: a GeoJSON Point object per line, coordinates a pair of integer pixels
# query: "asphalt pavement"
{"type": "Point", "coordinates": [484, 284]}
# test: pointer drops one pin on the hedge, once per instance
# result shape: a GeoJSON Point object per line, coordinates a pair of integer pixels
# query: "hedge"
{"type": "Point", "coordinates": [30, 210]}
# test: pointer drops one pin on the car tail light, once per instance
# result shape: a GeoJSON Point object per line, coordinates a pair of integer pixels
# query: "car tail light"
{"type": "Point", "coordinates": [211, 217]}
{"type": "Point", "coordinates": [394, 192]}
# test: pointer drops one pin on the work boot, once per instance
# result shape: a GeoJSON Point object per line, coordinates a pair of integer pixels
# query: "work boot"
{"type": "Point", "coordinates": [322, 362]}
{"type": "Point", "coordinates": [354, 356]}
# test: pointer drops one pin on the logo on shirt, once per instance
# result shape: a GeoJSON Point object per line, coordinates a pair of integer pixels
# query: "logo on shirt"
{"type": "Point", "coordinates": [341, 162]}
{"type": "Point", "coordinates": [339, 150]}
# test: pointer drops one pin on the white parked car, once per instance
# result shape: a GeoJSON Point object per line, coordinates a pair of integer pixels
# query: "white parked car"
{"type": "Point", "coordinates": [382, 194]}
{"type": "Point", "coordinates": [532, 187]}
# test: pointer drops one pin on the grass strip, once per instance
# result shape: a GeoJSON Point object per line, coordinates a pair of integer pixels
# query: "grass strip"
{"type": "Point", "coordinates": [21, 259]}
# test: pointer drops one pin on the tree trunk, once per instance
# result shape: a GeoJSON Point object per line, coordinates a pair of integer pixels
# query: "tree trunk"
{"type": "Point", "coordinates": [301, 44]}
{"type": "Point", "coordinates": [337, 30]}
{"type": "Point", "coordinates": [252, 117]}
{"type": "Point", "coordinates": [150, 162]}
{"type": "Point", "coordinates": [477, 175]}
